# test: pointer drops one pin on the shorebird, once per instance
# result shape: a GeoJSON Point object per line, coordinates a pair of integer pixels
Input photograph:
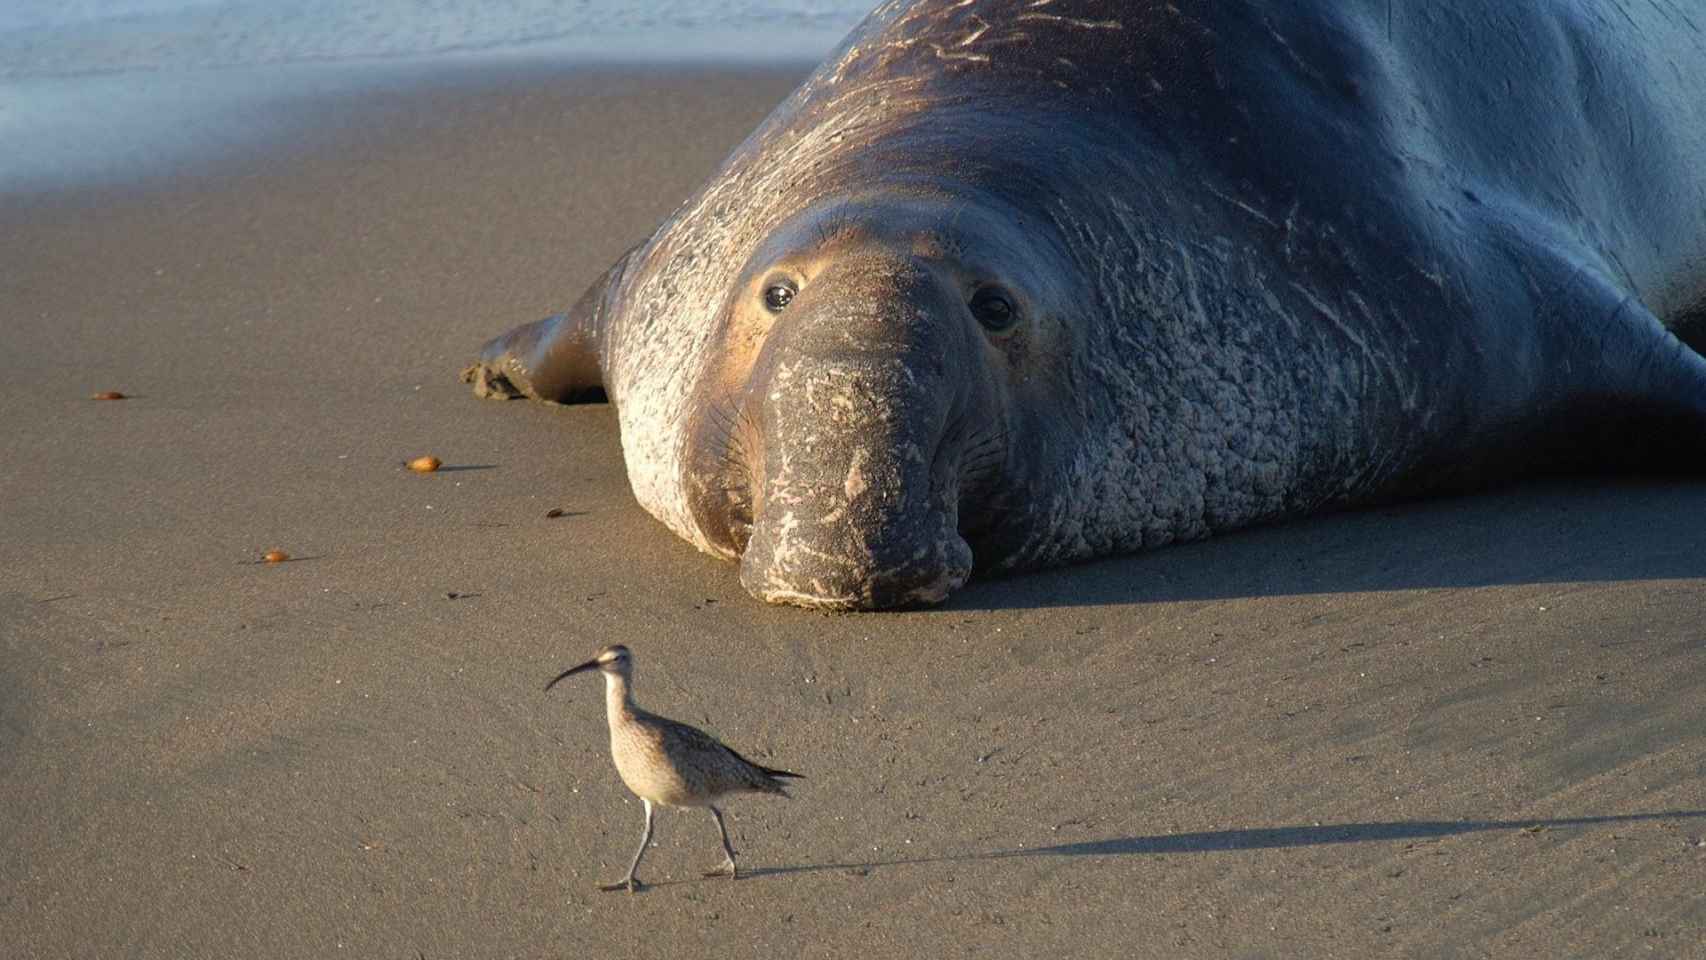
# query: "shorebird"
{"type": "Point", "coordinates": [669, 763]}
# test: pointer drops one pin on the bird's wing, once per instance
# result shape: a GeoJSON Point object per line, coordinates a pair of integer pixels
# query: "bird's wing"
{"type": "Point", "coordinates": [713, 758]}
{"type": "Point", "coordinates": [693, 740]}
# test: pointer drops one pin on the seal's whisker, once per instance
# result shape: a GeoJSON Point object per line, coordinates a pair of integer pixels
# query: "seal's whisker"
{"type": "Point", "coordinates": [727, 422]}
{"type": "Point", "coordinates": [986, 442]}
{"type": "Point", "coordinates": [984, 456]}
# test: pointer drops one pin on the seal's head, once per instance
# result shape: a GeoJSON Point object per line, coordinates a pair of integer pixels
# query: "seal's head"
{"type": "Point", "coordinates": [881, 404]}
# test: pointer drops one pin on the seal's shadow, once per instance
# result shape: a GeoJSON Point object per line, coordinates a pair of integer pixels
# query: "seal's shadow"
{"type": "Point", "coordinates": [1258, 838]}
{"type": "Point", "coordinates": [1569, 530]}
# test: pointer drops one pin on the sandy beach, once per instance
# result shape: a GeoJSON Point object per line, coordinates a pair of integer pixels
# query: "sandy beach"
{"type": "Point", "coordinates": [1460, 728]}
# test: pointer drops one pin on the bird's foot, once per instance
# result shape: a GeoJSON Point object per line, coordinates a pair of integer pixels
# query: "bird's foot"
{"type": "Point", "coordinates": [726, 870]}
{"type": "Point", "coordinates": [632, 885]}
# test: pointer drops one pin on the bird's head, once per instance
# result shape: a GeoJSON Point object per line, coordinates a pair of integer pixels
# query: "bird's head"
{"type": "Point", "coordinates": [613, 660]}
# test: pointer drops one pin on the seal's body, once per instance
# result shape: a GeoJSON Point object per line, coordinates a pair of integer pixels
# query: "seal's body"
{"type": "Point", "coordinates": [1022, 283]}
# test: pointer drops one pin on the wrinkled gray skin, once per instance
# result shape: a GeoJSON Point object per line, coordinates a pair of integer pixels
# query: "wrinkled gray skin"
{"type": "Point", "coordinates": [1262, 258]}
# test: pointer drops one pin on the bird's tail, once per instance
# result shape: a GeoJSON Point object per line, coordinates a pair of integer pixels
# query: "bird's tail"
{"type": "Point", "coordinates": [773, 778]}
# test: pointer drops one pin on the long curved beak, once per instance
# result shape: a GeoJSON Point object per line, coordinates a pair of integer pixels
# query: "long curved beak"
{"type": "Point", "coordinates": [589, 665]}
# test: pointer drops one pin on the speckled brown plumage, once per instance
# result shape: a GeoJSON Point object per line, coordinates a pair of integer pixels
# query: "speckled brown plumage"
{"type": "Point", "coordinates": [670, 763]}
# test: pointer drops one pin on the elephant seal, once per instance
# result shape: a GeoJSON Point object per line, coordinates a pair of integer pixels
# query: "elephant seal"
{"type": "Point", "coordinates": [1011, 283]}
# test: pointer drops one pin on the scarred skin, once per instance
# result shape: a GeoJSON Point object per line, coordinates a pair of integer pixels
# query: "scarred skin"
{"type": "Point", "coordinates": [1256, 259]}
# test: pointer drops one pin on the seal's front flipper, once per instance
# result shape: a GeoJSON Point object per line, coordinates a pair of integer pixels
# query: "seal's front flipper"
{"type": "Point", "coordinates": [558, 359]}
{"type": "Point", "coordinates": [555, 359]}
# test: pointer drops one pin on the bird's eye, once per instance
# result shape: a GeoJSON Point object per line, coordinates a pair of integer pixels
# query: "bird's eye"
{"type": "Point", "coordinates": [993, 309]}
{"type": "Point", "coordinates": [777, 296]}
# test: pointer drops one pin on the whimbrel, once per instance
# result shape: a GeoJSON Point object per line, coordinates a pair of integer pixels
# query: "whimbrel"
{"type": "Point", "coordinates": [669, 763]}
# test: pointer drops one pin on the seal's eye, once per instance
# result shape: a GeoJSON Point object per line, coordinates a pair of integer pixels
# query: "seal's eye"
{"type": "Point", "coordinates": [779, 295]}
{"type": "Point", "coordinates": [992, 308]}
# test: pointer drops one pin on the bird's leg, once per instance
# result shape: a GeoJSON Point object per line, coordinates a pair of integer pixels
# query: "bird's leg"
{"type": "Point", "coordinates": [631, 883]}
{"type": "Point", "coordinates": [728, 868]}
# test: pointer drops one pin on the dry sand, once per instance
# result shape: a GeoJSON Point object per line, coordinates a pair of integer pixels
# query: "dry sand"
{"type": "Point", "coordinates": [1460, 728]}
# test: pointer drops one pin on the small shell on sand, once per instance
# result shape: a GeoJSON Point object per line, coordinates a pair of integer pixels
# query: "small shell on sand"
{"type": "Point", "coordinates": [109, 395]}
{"type": "Point", "coordinates": [553, 513]}
{"type": "Point", "coordinates": [425, 464]}
{"type": "Point", "coordinates": [275, 556]}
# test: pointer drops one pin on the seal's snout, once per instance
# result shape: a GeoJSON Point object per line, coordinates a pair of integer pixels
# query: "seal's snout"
{"type": "Point", "coordinates": [857, 507]}
{"type": "Point", "coordinates": [807, 561]}
{"type": "Point", "coordinates": [855, 497]}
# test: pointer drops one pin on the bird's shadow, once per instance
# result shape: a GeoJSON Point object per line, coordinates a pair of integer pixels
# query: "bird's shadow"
{"type": "Point", "coordinates": [1254, 838]}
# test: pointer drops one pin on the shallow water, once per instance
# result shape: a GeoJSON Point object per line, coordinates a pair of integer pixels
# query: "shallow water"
{"type": "Point", "coordinates": [111, 91]}
{"type": "Point", "coordinates": [58, 38]}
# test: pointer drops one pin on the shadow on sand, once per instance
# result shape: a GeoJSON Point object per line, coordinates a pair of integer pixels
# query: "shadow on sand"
{"type": "Point", "coordinates": [1255, 838]}
{"type": "Point", "coordinates": [1571, 530]}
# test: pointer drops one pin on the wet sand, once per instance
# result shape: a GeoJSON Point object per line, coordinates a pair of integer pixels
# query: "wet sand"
{"type": "Point", "coordinates": [1471, 727]}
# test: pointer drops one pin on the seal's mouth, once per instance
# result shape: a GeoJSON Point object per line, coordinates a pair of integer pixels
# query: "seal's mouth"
{"type": "Point", "coordinates": [864, 526]}
{"type": "Point", "coordinates": [875, 595]}
{"type": "Point", "coordinates": [919, 567]}
{"type": "Point", "coordinates": [868, 542]}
